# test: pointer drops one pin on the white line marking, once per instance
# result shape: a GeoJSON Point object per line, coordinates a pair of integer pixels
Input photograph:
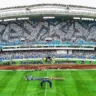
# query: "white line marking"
{"type": "Point", "coordinates": [46, 85]}
{"type": "Point", "coordinates": [52, 70]}
{"type": "Point", "coordinates": [56, 92]}
{"type": "Point", "coordinates": [60, 94]}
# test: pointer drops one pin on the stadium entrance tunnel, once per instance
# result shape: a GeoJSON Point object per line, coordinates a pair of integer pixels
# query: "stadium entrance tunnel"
{"type": "Point", "coordinates": [44, 81]}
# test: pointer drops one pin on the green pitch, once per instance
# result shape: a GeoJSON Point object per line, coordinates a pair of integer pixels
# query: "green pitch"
{"type": "Point", "coordinates": [76, 83]}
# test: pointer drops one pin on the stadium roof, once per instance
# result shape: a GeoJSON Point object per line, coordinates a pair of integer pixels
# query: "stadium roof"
{"type": "Point", "coordinates": [12, 3]}
{"type": "Point", "coordinates": [41, 10]}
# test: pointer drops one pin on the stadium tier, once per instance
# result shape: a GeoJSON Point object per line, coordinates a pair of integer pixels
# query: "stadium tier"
{"type": "Point", "coordinates": [49, 32]}
{"type": "Point", "coordinates": [35, 33]}
{"type": "Point", "coordinates": [23, 55]}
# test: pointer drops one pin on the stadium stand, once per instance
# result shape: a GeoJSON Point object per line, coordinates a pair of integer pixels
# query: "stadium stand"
{"type": "Point", "coordinates": [41, 54]}
{"type": "Point", "coordinates": [62, 32]}
{"type": "Point", "coordinates": [57, 32]}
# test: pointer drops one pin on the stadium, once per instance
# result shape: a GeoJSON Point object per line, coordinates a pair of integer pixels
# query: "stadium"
{"type": "Point", "coordinates": [48, 43]}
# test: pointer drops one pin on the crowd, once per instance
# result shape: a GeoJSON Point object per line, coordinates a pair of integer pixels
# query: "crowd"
{"type": "Point", "coordinates": [70, 32]}
{"type": "Point", "coordinates": [41, 54]}
{"type": "Point", "coordinates": [65, 31]}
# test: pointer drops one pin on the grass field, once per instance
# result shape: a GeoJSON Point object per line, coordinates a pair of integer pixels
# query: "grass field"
{"type": "Point", "coordinates": [76, 83]}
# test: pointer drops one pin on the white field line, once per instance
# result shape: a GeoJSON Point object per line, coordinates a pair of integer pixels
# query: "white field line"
{"type": "Point", "coordinates": [46, 85]}
{"type": "Point", "coordinates": [52, 70]}
{"type": "Point", "coordinates": [46, 90]}
{"type": "Point", "coordinates": [68, 69]}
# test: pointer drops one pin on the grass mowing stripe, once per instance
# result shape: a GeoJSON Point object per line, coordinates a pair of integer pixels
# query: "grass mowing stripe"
{"type": "Point", "coordinates": [5, 80]}
{"type": "Point", "coordinates": [81, 85]}
{"type": "Point", "coordinates": [71, 89]}
{"type": "Point", "coordinates": [60, 85]}
{"type": "Point", "coordinates": [9, 89]}
{"type": "Point", "coordinates": [93, 82]}
{"type": "Point", "coordinates": [32, 85]}
{"type": "Point", "coordinates": [21, 85]}
{"type": "Point", "coordinates": [64, 85]}
{"type": "Point", "coordinates": [2, 74]}
{"type": "Point", "coordinates": [89, 81]}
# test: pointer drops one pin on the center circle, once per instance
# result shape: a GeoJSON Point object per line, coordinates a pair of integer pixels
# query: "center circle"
{"type": "Point", "coordinates": [37, 93]}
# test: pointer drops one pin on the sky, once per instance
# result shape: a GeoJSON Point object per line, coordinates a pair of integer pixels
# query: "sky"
{"type": "Point", "coordinates": [12, 3]}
